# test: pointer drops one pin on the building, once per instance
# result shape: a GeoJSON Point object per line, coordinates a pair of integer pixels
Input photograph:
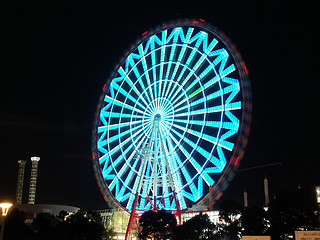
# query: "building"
{"type": "Point", "coordinates": [32, 210]}
{"type": "Point", "coordinates": [119, 219]}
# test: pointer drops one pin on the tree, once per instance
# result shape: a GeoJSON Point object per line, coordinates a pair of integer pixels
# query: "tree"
{"type": "Point", "coordinates": [292, 211]}
{"type": "Point", "coordinates": [83, 225]}
{"type": "Point", "coordinates": [15, 228]}
{"type": "Point", "coordinates": [44, 226]}
{"type": "Point", "coordinates": [254, 221]}
{"type": "Point", "coordinates": [157, 225]}
{"type": "Point", "coordinates": [197, 228]}
{"type": "Point", "coordinates": [230, 213]}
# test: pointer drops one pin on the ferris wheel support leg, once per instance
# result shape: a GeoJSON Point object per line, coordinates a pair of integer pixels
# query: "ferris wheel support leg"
{"type": "Point", "coordinates": [170, 177]}
{"type": "Point", "coordinates": [178, 209]}
{"type": "Point", "coordinates": [132, 217]}
{"type": "Point", "coordinates": [135, 202]}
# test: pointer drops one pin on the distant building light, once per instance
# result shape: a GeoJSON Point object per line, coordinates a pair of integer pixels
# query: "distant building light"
{"type": "Point", "coordinates": [318, 194]}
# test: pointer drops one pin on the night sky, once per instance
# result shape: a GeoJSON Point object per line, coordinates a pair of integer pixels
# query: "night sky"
{"type": "Point", "coordinates": [57, 57]}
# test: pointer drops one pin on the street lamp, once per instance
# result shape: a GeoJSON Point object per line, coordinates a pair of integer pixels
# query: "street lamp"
{"type": "Point", "coordinates": [5, 208]}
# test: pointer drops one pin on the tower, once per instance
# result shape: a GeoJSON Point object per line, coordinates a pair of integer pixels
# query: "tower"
{"type": "Point", "coordinates": [20, 181]}
{"type": "Point", "coordinates": [266, 192]}
{"type": "Point", "coordinates": [245, 198]}
{"type": "Point", "coordinates": [33, 180]}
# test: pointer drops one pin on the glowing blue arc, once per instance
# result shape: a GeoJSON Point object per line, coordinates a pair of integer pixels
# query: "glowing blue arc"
{"type": "Point", "coordinates": [187, 77]}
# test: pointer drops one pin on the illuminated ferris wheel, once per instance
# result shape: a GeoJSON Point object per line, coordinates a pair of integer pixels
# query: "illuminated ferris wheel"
{"type": "Point", "coordinates": [173, 119]}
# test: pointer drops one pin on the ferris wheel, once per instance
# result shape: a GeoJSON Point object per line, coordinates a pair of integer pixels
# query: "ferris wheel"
{"type": "Point", "coordinates": [173, 119]}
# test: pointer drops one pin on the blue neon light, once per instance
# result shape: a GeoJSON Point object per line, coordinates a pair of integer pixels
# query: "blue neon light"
{"type": "Point", "coordinates": [189, 77]}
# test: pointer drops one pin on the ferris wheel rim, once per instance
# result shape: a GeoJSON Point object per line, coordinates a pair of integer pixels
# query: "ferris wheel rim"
{"type": "Point", "coordinates": [245, 122]}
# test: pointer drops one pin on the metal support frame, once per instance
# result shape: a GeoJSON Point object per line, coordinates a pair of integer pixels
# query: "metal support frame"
{"type": "Point", "coordinates": [145, 157]}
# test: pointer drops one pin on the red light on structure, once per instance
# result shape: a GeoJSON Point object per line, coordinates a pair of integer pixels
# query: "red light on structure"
{"type": "Point", "coordinates": [144, 33]}
{"type": "Point", "coordinates": [245, 69]}
{"type": "Point", "coordinates": [201, 20]}
{"type": "Point", "coordinates": [93, 156]}
{"type": "Point", "coordinates": [236, 161]}
{"type": "Point", "coordinates": [104, 87]}
{"type": "Point", "coordinates": [195, 21]}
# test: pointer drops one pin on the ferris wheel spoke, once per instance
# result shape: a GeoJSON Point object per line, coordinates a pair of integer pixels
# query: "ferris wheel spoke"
{"type": "Point", "coordinates": [181, 96]}
{"type": "Point", "coordinates": [119, 174]}
{"type": "Point", "coordinates": [163, 52]}
{"type": "Point", "coordinates": [130, 83]}
{"type": "Point", "coordinates": [194, 69]}
{"type": "Point", "coordinates": [117, 161]}
{"type": "Point", "coordinates": [173, 50]}
{"type": "Point", "coordinates": [118, 115]}
{"type": "Point", "coordinates": [202, 58]}
{"type": "Point", "coordinates": [193, 145]}
{"type": "Point", "coordinates": [125, 167]}
{"type": "Point", "coordinates": [121, 104]}
{"type": "Point", "coordinates": [173, 177]}
{"type": "Point", "coordinates": [219, 108]}
{"type": "Point", "coordinates": [122, 143]}
{"type": "Point", "coordinates": [198, 80]}
{"type": "Point", "coordinates": [166, 106]}
{"type": "Point", "coordinates": [117, 126]}
{"type": "Point", "coordinates": [172, 54]}
{"type": "Point", "coordinates": [128, 180]}
{"type": "Point", "coordinates": [164, 128]}
{"type": "Point", "coordinates": [145, 67]}
{"type": "Point", "coordinates": [203, 75]}
{"type": "Point", "coordinates": [138, 141]}
{"type": "Point", "coordinates": [148, 113]}
{"type": "Point", "coordinates": [194, 163]}
{"type": "Point", "coordinates": [138, 180]}
{"type": "Point", "coordinates": [208, 98]}
{"type": "Point", "coordinates": [190, 58]}
{"type": "Point", "coordinates": [148, 130]}
{"type": "Point", "coordinates": [127, 94]}
{"type": "Point", "coordinates": [108, 168]}
{"type": "Point", "coordinates": [177, 182]}
{"type": "Point", "coordinates": [138, 75]}
{"type": "Point", "coordinates": [154, 69]}
{"type": "Point", "coordinates": [222, 143]}
{"type": "Point", "coordinates": [182, 54]}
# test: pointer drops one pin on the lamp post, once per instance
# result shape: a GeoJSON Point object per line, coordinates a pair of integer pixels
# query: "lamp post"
{"type": "Point", "coordinates": [5, 208]}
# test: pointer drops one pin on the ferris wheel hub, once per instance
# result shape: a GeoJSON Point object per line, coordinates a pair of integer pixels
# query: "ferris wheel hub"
{"type": "Point", "coordinates": [157, 117]}
{"type": "Point", "coordinates": [156, 120]}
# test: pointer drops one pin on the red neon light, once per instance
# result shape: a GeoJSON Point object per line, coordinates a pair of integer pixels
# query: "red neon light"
{"type": "Point", "coordinates": [93, 156]}
{"type": "Point", "coordinates": [245, 69]}
{"type": "Point", "coordinates": [201, 20]}
{"type": "Point", "coordinates": [144, 33]}
{"type": "Point", "coordinates": [236, 161]}
{"type": "Point", "coordinates": [195, 21]}
{"type": "Point", "coordinates": [104, 87]}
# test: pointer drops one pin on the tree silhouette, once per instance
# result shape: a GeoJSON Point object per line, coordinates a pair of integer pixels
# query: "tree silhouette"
{"type": "Point", "coordinates": [230, 213]}
{"type": "Point", "coordinates": [44, 226]}
{"type": "Point", "coordinates": [254, 221]}
{"type": "Point", "coordinates": [15, 228]}
{"type": "Point", "coordinates": [292, 211]}
{"type": "Point", "coordinates": [157, 225]}
{"type": "Point", "coordinates": [83, 225]}
{"type": "Point", "coordinates": [197, 228]}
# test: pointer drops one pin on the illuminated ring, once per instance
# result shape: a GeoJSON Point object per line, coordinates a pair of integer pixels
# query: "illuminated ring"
{"type": "Point", "coordinates": [181, 95]}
